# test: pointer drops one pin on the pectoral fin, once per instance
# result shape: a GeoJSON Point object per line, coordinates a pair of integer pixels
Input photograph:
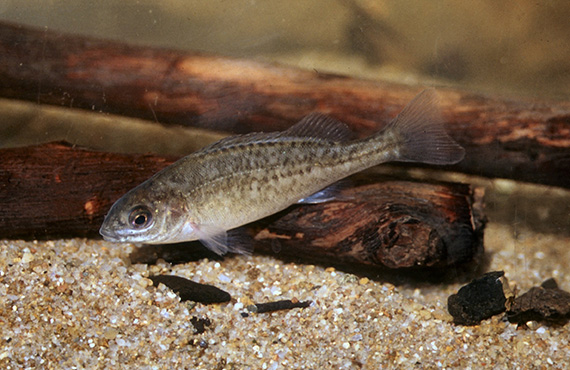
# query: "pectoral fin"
{"type": "Point", "coordinates": [321, 196]}
{"type": "Point", "coordinates": [221, 241]}
{"type": "Point", "coordinates": [328, 194]}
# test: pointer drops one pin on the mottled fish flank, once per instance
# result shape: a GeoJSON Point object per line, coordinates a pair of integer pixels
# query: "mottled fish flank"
{"type": "Point", "coordinates": [243, 178]}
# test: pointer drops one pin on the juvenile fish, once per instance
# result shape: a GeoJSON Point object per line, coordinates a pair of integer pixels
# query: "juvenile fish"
{"type": "Point", "coordinates": [244, 178]}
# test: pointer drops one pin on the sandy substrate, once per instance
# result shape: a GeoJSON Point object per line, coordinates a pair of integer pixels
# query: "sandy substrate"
{"type": "Point", "coordinates": [73, 304]}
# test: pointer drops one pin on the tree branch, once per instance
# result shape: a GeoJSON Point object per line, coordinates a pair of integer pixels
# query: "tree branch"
{"type": "Point", "coordinates": [521, 140]}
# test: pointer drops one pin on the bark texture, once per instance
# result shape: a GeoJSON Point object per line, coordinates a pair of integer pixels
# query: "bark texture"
{"type": "Point", "coordinates": [522, 140]}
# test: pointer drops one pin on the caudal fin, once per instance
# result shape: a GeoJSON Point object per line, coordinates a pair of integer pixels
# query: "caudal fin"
{"type": "Point", "coordinates": [420, 133]}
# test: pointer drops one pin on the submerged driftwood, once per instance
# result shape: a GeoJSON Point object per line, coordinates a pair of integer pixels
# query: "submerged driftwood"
{"type": "Point", "coordinates": [523, 140]}
{"type": "Point", "coordinates": [55, 190]}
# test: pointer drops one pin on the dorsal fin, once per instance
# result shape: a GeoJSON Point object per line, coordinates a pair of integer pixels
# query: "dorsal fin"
{"type": "Point", "coordinates": [320, 126]}
{"type": "Point", "coordinates": [315, 126]}
{"type": "Point", "coordinates": [251, 138]}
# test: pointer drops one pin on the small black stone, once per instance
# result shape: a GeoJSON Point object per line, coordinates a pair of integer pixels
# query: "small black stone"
{"type": "Point", "coordinates": [546, 303]}
{"type": "Point", "coordinates": [478, 300]}
{"type": "Point", "coordinates": [200, 324]}
{"type": "Point", "coordinates": [285, 304]}
{"type": "Point", "coordinates": [191, 291]}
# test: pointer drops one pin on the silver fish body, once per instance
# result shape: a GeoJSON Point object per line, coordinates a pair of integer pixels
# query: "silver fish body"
{"type": "Point", "coordinates": [244, 178]}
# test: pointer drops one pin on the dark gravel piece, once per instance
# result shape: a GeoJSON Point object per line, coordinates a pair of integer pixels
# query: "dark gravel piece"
{"type": "Point", "coordinates": [478, 300]}
{"type": "Point", "coordinates": [546, 303]}
{"type": "Point", "coordinates": [200, 324]}
{"type": "Point", "coordinates": [285, 304]}
{"type": "Point", "coordinates": [192, 291]}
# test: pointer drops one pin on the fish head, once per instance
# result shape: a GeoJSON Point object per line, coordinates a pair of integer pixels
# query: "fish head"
{"type": "Point", "coordinates": [141, 216]}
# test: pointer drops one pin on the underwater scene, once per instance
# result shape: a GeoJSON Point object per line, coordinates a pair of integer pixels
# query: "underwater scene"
{"type": "Point", "coordinates": [346, 184]}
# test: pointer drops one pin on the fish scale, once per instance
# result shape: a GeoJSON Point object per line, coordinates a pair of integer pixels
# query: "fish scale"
{"type": "Point", "coordinates": [259, 170]}
{"type": "Point", "coordinates": [243, 178]}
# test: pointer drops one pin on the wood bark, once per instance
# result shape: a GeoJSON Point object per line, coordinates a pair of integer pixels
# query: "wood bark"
{"type": "Point", "coordinates": [522, 140]}
{"type": "Point", "coordinates": [56, 190]}
{"type": "Point", "coordinates": [395, 224]}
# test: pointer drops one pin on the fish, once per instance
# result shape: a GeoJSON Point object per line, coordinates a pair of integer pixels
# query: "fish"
{"type": "Point", "coordinates": [244, 178]}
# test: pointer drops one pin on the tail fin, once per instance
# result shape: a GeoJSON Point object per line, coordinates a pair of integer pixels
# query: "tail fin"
{"type": "Point", "coordinates": [419, 126]}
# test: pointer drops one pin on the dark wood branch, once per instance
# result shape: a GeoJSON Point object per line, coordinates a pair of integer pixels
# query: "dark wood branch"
{"type": "Point", "coordinates": [55, 190]}
{"type": "Point", "coordinates": [395, 224]}
{"type": "Point", "coordinates": [504, 138]}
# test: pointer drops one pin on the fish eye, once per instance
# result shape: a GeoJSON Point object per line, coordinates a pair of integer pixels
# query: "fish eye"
{"type": "Point", "coordinates": [140, 218]}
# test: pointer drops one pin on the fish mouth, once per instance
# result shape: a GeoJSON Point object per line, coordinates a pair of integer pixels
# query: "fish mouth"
{"type": "Point", "coordinates": [108, 235]}
{"type": "Point", "coordinates": [111, 233]}
{"type": "Point", "coordinates": [115, 235]}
